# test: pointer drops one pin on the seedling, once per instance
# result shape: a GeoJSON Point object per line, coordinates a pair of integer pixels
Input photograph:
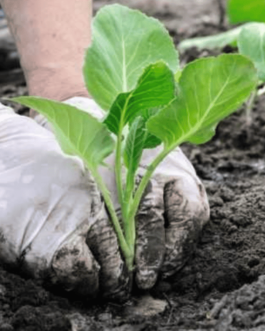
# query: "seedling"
{"type": "Point", "coordinates": [132, 71]}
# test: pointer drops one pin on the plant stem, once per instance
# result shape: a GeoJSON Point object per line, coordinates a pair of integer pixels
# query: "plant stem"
{"type": "Point", "coordinates": [141, 188]}
{"type": "Point", "coordinates": [249, 107]}
{"type": "Point", "coordinates": [127, 252]}
{"type": "Point", "coordinates": [129, 225]}
{"type": "Point", "coordinates": [118, 171]}
{"type": "Point", "coordinates": [118, 162]}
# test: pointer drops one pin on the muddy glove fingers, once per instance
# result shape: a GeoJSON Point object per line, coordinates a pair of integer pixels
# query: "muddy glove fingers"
{"type": "Point", "coordinates": [186, 212]}
{"type": "Point", "coordinates": [113, 277]}
{"type": "Point", "coordinates": [150, 241]}
{"type": "Point", "coordinates": [173, 212]}
{"type": "Point", "coordinates": [114, 280]}
{"type": "Point", "coordinates": [47, 206]}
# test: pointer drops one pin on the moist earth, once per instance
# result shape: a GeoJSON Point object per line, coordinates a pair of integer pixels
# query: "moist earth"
{"type": "Point", "coordinates": [222, 287]}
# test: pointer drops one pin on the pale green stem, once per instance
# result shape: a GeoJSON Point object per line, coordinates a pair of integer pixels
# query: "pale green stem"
{"type": "Point", "coordinates": [127, 252]}
{"type": "Point", "coordinates": [118, 163]}
{"type": "Point", "coordinates": [118, 171]}
{"type": "Point", "coordinates": [141, 188]}
{"type": "Point", "coordinates": [129, 226]}
{"type": "Point", "coordinates": [249, 107]}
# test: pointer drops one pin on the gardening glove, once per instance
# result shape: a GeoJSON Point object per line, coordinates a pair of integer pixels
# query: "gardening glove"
{"type": "Point", "coordinates": [172, 212]}
{"type": "Point", "coordinates": [171, 216]}
{"type": "Point", "coordinates": [48, 206]}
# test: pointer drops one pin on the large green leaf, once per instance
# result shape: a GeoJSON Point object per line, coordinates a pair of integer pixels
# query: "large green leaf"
{"type": "Point", "coordinates": [134, 144]}
{"type": "Point", "coordinates": [124, 42]}
{"type": "Point", "coordinates": [209, 90]}
{"type": "Point", "coordinates": [251, 43]}
{"type": "Point", "coordinates": [213, 42]}
{"type": "Point", "coordinates": [246, 11]}
{"type": "Point", "coordinates": [78, 132]}
{"type": "Point", "coordinates": [156, 87]}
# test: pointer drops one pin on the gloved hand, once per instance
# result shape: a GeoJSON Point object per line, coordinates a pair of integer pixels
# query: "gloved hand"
{"type": "Point", "coordinates": [51, 209]}
{"type": "Point", "coordinates": [171, 214]}
{"type": "Point", "coordinates": [48, 205]}
{"type": "Point", "coordinates": [170, 217]}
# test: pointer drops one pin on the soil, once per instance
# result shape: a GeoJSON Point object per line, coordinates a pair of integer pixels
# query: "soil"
{"type": "Point", "coordinates": [223, 286]}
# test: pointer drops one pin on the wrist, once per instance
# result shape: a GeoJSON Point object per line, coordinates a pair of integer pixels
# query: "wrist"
{"type": "Point", "coordinates": [55, 83]}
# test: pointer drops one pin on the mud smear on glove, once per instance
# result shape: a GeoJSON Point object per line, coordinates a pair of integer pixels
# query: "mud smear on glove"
{"type": "Point", "coordinates": [183, 227]}
{"type": "Point", "coordinates": [114, 278]}
{"type": "Point", "coordinates": [150, 243]}
{"type": "Point", "coordinates": [74, 270]}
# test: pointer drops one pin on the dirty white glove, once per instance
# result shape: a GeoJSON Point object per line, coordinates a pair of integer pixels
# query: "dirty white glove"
{"type": "Point", "coordinates": [48, 205]}
{"type": "Point", "coordinates": [170, 217]}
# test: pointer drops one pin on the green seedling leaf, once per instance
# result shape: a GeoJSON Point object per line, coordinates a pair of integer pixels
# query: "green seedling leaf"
{"type": "Point", "coordinates": [156, 87]}
{"type": "Point", "coordinates": [151, 141]}
{"type": "Point", "coordinates": [246, 11]}
{"type": "Point", "coordinates": [251, 43]}
{"type": "Point", "coordinates": [209, 90]}
{"type": "Point", "coordinates": [134, 144]}
{"type": "Point", "coordinates": [78, 132]}
{"type": "Point", "coordinates": [213, 42]}
{"type": "Point", "coordinates": [125, 41]}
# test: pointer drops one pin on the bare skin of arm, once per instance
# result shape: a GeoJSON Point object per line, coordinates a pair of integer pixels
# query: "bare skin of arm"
{"type": "Point", "coordinates": [51, 37]}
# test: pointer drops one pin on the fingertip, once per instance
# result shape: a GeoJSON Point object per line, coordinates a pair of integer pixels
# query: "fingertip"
{"type": "Point", "coordinates": [114, 278]}
{"type": "Point", "coordinates": [150, 243]}
{"type": "Point", "coordinates": [75, 270]}
{"type": "Point", "coordinates": [146, 278]}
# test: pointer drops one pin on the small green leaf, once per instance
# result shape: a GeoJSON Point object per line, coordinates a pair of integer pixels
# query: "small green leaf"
{"type": "Point", "coordinates": [251, 43]}
{"type": "Point", "coordinates": [246, 11]}
{"type": "Point", "coordinates": [78, 132]}
{"type": "Point", "coordinates": [156, 87]}
{"type": "Point", "coordinates": [124, 42]}
{"type": "Point", "coordinates": [151, 141]}
{"type": "Point", "coordinates": [134, 144]}
{"type": "Point", "coordinates": [213, 42]}
{"type": "Point", "coordinates": [209, 90]}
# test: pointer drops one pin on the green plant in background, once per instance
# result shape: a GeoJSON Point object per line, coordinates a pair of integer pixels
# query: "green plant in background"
{"type": "Point", "coordinates": [132, 71]}
{"type": "Point", "coordinates": [249, 38]}
{"type": "Point", "coordinates": [246, 11]}
{"type": "Point", "coordinates": [238, 11]}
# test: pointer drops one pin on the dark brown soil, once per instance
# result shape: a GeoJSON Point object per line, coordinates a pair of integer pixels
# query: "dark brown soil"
{"type": "Point", "coordinates": [223, 285]}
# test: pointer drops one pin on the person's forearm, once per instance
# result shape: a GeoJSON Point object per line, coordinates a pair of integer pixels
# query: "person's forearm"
{"type": "Point", "coordinates": [51, 37]}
